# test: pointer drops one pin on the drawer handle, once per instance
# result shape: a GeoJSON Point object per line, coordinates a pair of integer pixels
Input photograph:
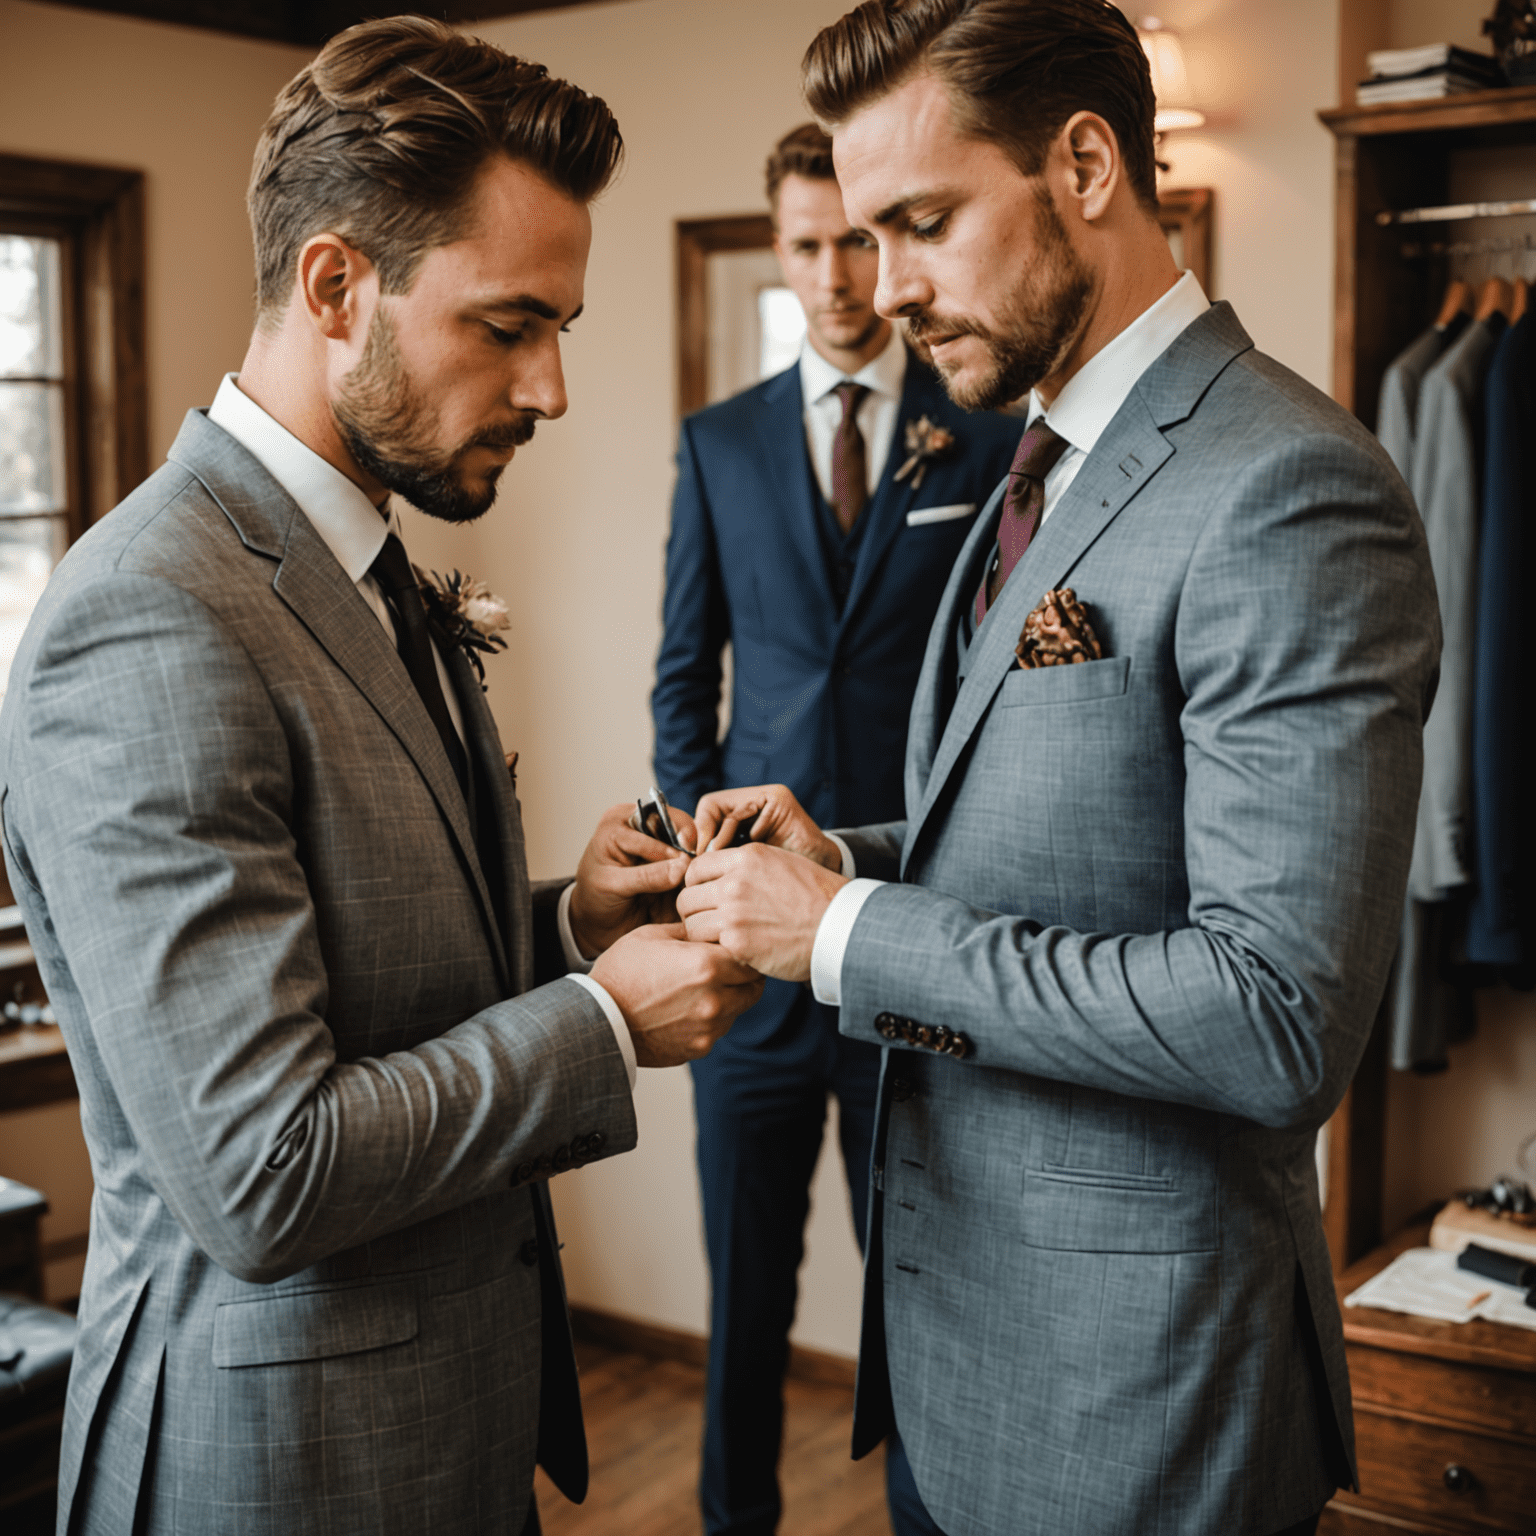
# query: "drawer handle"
{"type": "Point", "coordinates": [1459, 1479]}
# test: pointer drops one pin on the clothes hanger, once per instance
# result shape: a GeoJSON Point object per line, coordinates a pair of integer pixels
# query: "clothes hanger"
{"type": "Point", "coordinates": [1457, 298]}
{"type": "Point", "coordinates": [1494, 297]}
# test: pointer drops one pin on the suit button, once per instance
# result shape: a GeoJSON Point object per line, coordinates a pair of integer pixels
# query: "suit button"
{"type": "Point", "coordinates": [887, 1026]}
{"type": "Point", "coordinates": [522, 1173]}
{"type": "Point", "coordinates": [593, 1144]}
{"type": "Point", "coordinates": [562, 1159]}
{"type": "Point", "coordinates": [902, 1089]}
{"type": "Point", "coordinates": [529, 1252]}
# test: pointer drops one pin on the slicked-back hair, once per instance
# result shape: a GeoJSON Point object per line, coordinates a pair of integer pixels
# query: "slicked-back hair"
{"type": "Point", "coordinates": [803, 151]}
{"type": "Point", "coordinates": [1014, 70]}
{"type": "Point", "coordinates": [381, 138]}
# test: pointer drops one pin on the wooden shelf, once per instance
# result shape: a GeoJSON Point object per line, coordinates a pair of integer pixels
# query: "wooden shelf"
{"type": "Point", "coordinates": [1471, 111]}
{"type": "Point", "coordinates": [34, 1068]}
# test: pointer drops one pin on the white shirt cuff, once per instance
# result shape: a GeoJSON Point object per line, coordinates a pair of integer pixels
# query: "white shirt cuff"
{"type": "Point", "coordinates": [849, 868]}
{"type": "Point", "coordinates": [615, 1018]}
{"type": "Point", "coordinates": [832, 937]}
{"type": "Point", "coordinates": [573, 955]}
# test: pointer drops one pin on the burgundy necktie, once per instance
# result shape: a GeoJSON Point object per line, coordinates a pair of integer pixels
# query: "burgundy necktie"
{"type": "Point", "coordinates": [392, 570]}
{"type": "Point", "coordinates": [850, 468]}
{"type": "Point", "coordinates": [1023, 502]}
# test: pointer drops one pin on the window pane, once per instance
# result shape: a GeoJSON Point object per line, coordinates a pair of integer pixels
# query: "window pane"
{"type": "Point", "coordinates": [29, 549]}
{"type": "Point", "coordinates": [30, 344]}
{"type": "Point", "coordinates": [782, 329]}
{"type": "Point", "coordinates": [31, 448]}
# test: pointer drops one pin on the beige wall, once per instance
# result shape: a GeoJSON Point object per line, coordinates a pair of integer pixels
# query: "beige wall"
{"type": "Point", "coordinates": [185, 108]}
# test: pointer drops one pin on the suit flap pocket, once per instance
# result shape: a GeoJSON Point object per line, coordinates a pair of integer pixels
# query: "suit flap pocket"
{"type": "Point", "coordinates": [940, 514]}
{"type": "Point", "coordinates": [313, 1325]}
{"type": "Point", "coordinates": [1074, 684]}
{"type": "Point", "coordinates": [1086, 1211]}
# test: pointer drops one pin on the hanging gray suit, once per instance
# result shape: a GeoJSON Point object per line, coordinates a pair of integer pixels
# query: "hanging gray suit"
{"type": "Point", "coordinates": [1151, 901]}
{"type": "Point", "coordinates": [317, 1081]}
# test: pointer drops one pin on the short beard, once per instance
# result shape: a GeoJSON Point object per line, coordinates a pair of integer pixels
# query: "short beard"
{"type": "Point", "coordinates": [391, 431]}
{"type": "Point", "coordinates": [1042, 320]}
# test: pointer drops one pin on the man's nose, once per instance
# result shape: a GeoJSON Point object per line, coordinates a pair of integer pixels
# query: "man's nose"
{"type": "Point", "coordinates": [902, 288]}
{"type": "Point", "coordinates": [834, 269]}
{"type": "Point", "coordinates": [539, 389]}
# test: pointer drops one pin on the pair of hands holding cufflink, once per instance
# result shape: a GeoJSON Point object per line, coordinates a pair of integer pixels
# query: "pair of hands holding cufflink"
{"type": "Point", "coordinates": [761, 903]}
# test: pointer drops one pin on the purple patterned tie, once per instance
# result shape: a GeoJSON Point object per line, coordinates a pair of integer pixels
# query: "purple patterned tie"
{"type": "Point", "coordinates": [1023, 501]}
{"type": "Point", "coordinates": [850, 469]}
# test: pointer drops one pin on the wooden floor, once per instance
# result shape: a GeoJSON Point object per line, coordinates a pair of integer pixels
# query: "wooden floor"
{"type": "Point", "coordinates": [644, 1425]}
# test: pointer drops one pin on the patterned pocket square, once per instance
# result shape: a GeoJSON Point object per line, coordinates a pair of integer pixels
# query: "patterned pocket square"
{"type": "Point", "coordinates": [1058, 633]}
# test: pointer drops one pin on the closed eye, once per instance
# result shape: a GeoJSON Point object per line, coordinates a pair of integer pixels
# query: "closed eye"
{"type": "Point", "coordinates": [932, 229]}
{"type": "Point", "coordinates": [501, 337]}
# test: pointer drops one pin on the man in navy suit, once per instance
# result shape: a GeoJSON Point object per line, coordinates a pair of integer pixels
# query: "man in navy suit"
{"type": "Point", "coordinates": [803, 536]}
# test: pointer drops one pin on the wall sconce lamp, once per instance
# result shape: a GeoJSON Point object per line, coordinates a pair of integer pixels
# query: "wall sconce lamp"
{"type": "Point", "coordinates": [1170, 82]}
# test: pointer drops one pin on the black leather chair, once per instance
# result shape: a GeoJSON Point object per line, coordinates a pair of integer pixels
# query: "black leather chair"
{"type": "Point", "coordinates": [36, 1346]}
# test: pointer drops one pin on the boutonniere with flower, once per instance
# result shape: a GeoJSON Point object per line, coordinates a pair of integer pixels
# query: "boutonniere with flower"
{"type": "Point", "coordinates": [927, 443]}
{"type": "Point", "coordinates": [467, 614]}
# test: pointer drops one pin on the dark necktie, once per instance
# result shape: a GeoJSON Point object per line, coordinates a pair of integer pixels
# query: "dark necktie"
{"type": "Point", "coordinates": [392, 570]}
{"type": "Point", "coordinates": [1023, 502]}
{"type": "Point", "coordinates": [850, 468]}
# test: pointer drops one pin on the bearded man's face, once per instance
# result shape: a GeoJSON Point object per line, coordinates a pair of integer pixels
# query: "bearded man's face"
{"type": "Point", "coordinates": [456, 373]}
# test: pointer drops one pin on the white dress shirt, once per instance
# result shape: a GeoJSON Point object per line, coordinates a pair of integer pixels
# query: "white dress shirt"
{"type": "Point", "coordinates": [883, 376]}
{"type": "Point", "coordinates": [354, 530]}
{"type": "Point", "coordinates": [1088, 402]}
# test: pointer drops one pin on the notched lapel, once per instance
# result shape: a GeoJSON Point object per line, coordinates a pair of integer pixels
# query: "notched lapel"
{"type": "Point", "coordinates": [1121, 465]}
{"type": "Point", "coordinates": [319, 594]}
{"type": "Point", "coordinates": [780, 424]}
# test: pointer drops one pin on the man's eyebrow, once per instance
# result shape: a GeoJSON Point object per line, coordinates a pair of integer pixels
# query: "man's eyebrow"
{"type": "Point", "coordinates": [526, 303]}
{"type": "Point", "coordinates": [897, 210]}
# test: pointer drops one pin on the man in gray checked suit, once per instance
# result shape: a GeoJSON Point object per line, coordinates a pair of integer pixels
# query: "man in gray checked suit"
{"type": "Point", "coordinates": [265, 842]}
{"type": "Point", "coordinates": [1126, 947]}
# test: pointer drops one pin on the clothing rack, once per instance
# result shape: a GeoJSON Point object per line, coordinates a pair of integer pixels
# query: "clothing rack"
{"type": "Point", "coordinates": [1451, 211]}
{"type": "Point", "coordinates": [1493, 246]}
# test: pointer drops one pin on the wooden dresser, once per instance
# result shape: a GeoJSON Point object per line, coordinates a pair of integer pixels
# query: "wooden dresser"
{"type": "Point", "coordinates": [1445, 1419]}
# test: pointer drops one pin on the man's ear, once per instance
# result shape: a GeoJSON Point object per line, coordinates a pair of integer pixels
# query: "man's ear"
{"type": "Point", "coordinates": [1091, 155]}
{"type": "Point", "coordinates": [333, 287]}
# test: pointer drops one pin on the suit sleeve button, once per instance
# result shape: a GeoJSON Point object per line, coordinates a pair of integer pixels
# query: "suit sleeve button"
{"type": "Point", "coordinates": [562, 1158]}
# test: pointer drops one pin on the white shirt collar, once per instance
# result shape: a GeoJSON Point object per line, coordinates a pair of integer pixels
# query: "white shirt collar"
{"type": "Point", "coordinates": [342, 515]}
{"type": "Point", "coordinates": [1091, 397]}
{"type": "Point", "coordinates": [883, 375]}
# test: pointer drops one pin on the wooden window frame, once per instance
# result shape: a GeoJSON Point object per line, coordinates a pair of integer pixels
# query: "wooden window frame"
{"type": "Point", "coordinates": [97, 214]}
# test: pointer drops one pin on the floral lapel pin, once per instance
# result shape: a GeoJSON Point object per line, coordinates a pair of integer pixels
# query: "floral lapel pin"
{"type": "Point", "coordinates": [467, 613]}
{"type": "Point", "coordinates": [1058, 633]}
{"type": "Point", "coordinates": [927, 443]}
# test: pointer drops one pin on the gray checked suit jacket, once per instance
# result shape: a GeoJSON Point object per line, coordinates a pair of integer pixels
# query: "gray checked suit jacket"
{"type": "Point", "coordinates": [1158, 894]}
{"type": "Point", "coordinates": [317, 1080]}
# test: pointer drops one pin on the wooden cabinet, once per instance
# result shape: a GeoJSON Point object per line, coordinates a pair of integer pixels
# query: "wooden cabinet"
{"type": "Point", "coordinates": [1445, 1420]}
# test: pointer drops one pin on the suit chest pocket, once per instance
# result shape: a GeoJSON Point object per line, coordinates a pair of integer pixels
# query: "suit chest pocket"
{"type": "Point", "coordinates": [1039, 687]}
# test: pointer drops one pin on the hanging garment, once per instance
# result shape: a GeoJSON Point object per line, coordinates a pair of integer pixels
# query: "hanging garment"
{"type": "Point", "coordinates": [1397, 411]}
{"type": "Point", "coordinates": [1429, 997]}
{"type": "Point", "coordinates": [1502, 924]}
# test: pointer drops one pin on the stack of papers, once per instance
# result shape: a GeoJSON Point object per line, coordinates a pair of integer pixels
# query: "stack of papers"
{"type": "Point", "coordinates": [1425, 1283]}
{"type": "Point", "coordinates": [1437, 69]}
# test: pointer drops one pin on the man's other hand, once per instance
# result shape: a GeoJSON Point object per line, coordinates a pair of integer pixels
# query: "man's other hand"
{"type": "Point", "coordinates": [625, 879]}
{"type": "Point", "coordinates": [677, 998]}
{"type": "Point", "coordinates": [762, 905]}
{"type": "Point", "coordinates": [781, 823]}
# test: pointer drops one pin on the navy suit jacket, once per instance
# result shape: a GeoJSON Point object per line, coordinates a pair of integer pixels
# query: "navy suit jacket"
{"type": "Point", "coordinates": [822, 688]}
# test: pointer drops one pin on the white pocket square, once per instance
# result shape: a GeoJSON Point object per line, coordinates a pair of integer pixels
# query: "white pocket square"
{"type": "Point", "coordinates": [940, 514]}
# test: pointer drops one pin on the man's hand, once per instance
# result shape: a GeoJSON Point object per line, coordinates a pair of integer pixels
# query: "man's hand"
{"type": "Point", "coordinates": [762, 905]}
{"type": "Point", "coordinates": [781, 823]}
{"type": "Point", "coordinates": [677, 998]}
{"type": "Point", "coordinates": [625, 879]}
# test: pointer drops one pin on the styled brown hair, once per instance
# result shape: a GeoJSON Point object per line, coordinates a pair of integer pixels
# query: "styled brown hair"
{"type": "Point", "coordinates": [382, 136]}
{"type": "Point", "coordinates": [1015, 71]}
{"type": "Point", "coordinates": [803, 151]}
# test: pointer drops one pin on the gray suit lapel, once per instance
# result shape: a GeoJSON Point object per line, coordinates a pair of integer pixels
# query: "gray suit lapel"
{"type": "Point", "coordinates": [328, 604]}
{"type": "Point", "coordinates": [1122, 463]}
{"type": "Point", "coordinates": [498, 819]}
